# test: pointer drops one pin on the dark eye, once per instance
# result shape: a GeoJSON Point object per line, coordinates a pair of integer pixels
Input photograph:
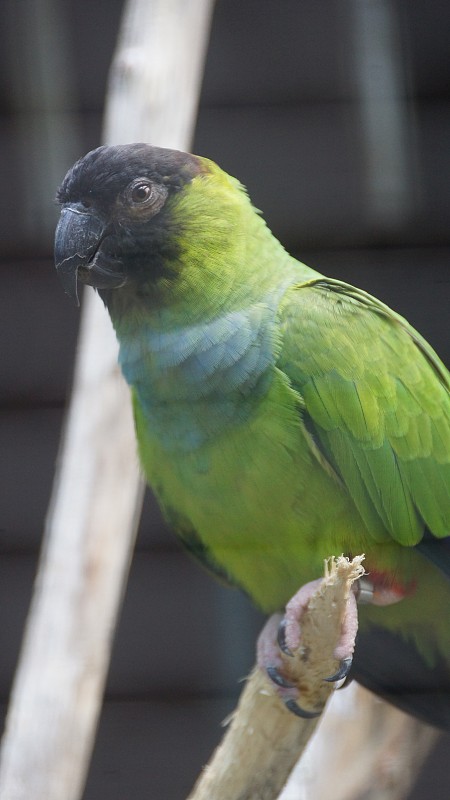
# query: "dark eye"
{"type": "Point", "coordinates": [142, 196]}
{"type": "Point", "coordinates": [141, 192]}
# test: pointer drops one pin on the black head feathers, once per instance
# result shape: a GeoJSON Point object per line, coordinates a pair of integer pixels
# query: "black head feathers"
{"type": "Point", "coordinates": [106, 171]}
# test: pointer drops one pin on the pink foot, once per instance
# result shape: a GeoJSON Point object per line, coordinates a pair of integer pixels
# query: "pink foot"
{"type": "Point", "coordinates": [283, 635]}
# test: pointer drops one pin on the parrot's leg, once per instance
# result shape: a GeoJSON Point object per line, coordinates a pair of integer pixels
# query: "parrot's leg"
{"type": "Point", "coordinates": [282, 634]}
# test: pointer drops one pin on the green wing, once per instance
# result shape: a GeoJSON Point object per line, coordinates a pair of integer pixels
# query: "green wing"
{"type": "Point", "coordinates": [376, 405]}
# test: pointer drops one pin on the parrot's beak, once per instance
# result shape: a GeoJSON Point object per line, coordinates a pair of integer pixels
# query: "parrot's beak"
{"type": "Point", "coordinates": [81, 252]}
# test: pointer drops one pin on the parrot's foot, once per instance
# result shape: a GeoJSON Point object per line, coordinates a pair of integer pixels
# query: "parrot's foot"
{"type": "Point", "coordinates": [270, 644]}
{"type": "Point", "coordinates": [282, 635]}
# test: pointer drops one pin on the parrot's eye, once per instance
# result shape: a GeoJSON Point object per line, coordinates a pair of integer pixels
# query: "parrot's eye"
{"type": "Point", "coordinates": [143, 198]}
{"type": "Point", "coordinates": [140, 192]}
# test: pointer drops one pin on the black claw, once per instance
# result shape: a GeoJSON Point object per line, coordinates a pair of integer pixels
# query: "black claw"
{"type": "Point", "coordinates": [278, 678]}
{"type": "Point", "coordinates": [342, 672]}
{"type": "Point", "coordinates": [300, 712]}
{"type": "Point", "coordinates": [281, 639]}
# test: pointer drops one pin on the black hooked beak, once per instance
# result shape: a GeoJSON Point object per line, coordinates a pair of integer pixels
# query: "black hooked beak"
{"type": "Point", "coordinates": [79, 254]}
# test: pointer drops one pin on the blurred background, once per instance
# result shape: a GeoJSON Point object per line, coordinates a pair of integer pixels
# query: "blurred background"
{"type": "Point", "coordinates": [336, 116]}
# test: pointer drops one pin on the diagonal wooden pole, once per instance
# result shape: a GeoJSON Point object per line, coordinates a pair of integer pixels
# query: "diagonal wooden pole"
{"type": "Point", "coordinates": [363, 747]}
{"type": "Point", "coordinates": [265, 740]}
{"type": "Point", "coordinates": [91, 523]}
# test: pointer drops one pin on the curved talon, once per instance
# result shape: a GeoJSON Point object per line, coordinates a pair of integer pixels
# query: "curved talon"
{"type": "Point", "coordinates": [294, 707]}
{"type": "Point", "coordinates": [342, 672]}
{"type": "Point", "coordinates": [281, 638]}
{"type": "Point", "coordinates": [279, 679]}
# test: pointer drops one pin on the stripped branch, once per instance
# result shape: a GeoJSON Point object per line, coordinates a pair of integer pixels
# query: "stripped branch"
{"type": "Point", "coordinates": [265, 740]}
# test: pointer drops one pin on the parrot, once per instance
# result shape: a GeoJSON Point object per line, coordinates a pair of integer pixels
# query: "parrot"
{"type": "Point", "coordinates": [281, 416]}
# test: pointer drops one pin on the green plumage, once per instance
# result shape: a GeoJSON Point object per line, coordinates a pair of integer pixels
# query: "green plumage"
{"type": "Point", "coordinates": [281, 416]}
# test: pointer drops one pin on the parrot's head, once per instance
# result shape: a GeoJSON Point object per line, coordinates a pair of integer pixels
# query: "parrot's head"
{"type": "Point", "coordinates": [128, 210]}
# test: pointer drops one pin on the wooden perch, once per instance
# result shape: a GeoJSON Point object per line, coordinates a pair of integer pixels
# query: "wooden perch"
{"type": "Point", "coordinates": [372, 751]}
{"type": "Point", "coordinates": [91, 523]}
{"type": "Point", "coordinates": [265, 740]}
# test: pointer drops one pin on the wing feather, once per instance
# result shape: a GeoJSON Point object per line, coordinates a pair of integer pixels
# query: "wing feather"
{"type": "Point", "coordinates": [377, 399]}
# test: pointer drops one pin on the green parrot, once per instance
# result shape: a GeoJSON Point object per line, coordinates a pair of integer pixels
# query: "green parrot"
{"type": "Point", "coordinates": [281, 416]}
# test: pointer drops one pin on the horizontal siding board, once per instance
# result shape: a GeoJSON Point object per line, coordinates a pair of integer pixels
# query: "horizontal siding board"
{"type": "Point", "coordinates": [38, 326]}
{"type": "Point", "coordinates": [154, 749]}
{"type": "Point", "coordinates": [262, 53]}
{"type": "Point", "coordinates": [29, 444]}
{"type": "Point", "coordinates": [180, 630]}
{"type": "Point", "coordinates": [16, 584]}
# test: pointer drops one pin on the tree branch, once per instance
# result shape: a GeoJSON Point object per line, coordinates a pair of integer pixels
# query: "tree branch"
{"type": "Point", "coordinates": [372, 751]}
{"type": "Point", "coordinates": [265, 740]}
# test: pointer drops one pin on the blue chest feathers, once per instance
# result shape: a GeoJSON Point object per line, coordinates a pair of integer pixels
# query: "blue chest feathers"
{"type": "Point", "coordinates": [193, 382]}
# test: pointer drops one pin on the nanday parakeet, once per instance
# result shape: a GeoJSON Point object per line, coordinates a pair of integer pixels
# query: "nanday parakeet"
{"type": "Point", "coordinates": [281, 416]}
